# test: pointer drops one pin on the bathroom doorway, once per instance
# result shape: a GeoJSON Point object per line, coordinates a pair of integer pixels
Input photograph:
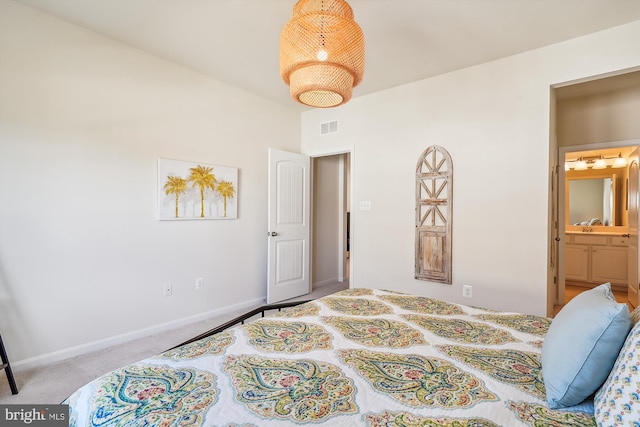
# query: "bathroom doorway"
{"type": "Point", "coordinates": [592, 118]}
{"type": "Point", "coordinates": [598, 238]}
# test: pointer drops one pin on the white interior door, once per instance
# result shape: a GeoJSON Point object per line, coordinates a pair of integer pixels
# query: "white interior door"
{"type": "Point", "coordinates": [289, 230]}
{"type": "Point", "coordinates": [632, 262]}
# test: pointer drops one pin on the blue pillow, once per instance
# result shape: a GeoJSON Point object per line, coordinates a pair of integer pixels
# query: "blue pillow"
{"type": "Point", "coordinates": [582, 345]}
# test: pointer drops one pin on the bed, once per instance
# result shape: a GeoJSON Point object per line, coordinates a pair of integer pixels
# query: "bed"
{"type": "Point", "coordinates": [361, 357]}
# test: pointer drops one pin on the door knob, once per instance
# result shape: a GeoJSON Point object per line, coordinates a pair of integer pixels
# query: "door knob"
{"type": "Point", "coordinates": [271, 233]}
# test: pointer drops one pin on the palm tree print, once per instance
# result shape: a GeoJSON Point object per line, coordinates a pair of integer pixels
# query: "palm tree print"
{"type": "Point", "coordinates": [203, 177]}
{"type": "Point", "coordinates": [175, 185]}
{"type": "Point", "coordinates": [226, 190]}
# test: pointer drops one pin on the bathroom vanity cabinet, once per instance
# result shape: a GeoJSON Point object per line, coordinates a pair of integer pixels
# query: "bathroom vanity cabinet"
{"type": "Point", "coordinates": [596, 258]}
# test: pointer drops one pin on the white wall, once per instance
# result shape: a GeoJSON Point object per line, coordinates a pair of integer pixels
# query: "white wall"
{"type": "Point", "coordinates": [326, 219]}
{"type": "Point", "coordinates": [494, 120]}
{"type": "Point", "coordinates": [83, 120]}
{"type": "Point", "coordinates": [604, 117]}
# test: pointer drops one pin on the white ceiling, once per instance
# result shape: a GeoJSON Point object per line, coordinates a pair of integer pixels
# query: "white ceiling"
{"type": "Point", "coordinates": [236, 41]}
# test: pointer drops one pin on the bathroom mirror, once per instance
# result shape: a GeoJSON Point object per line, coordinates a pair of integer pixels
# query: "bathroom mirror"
{"type": "Point", "coordinates": [591, 202]}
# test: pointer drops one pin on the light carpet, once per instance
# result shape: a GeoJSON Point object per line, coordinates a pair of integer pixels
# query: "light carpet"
{"type": "Point", "coordinates": [52, 383]}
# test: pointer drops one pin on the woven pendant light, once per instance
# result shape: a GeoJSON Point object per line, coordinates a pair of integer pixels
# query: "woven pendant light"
{"type": "Point", "coordinates": [322, 53]}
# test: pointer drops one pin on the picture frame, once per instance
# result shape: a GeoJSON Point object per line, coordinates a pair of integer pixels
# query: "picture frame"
{"type": "Point", "coordinates": [196, 191]}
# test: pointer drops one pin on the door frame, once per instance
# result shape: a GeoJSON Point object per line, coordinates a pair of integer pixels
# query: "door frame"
{"type": "Point", "coordinates": [559, 297]}
{"type": "Point", "coordinates": [632, 208]}
{"type": "Point", "coordinates": [326, 153]}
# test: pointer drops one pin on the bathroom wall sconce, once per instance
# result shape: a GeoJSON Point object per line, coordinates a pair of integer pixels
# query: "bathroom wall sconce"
{"type": "Point", "coordinates": [595, 162]}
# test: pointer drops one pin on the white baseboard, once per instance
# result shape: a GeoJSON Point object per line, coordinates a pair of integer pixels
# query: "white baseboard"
{"type": "Point", "coordinates": [326, 282]}
{"type": "Point", "coordinates": [79, 350]}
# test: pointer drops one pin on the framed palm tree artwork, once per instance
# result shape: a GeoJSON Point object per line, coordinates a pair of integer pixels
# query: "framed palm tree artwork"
{"type": "Point", "coordinates": [191, 190]}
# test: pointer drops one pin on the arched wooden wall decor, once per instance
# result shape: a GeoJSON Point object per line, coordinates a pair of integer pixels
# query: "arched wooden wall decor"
{"type": "Point", "coordinates": [434, 213]}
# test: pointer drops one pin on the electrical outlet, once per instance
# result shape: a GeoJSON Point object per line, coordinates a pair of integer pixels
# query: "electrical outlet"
{"type": "Point", "coordinates": [199, 283]}
{"type": "Point", "coordinates": [467, 291]}
{"type": "Point", "coordinates": [365, 205]}
{"type": "Point", "coordinates": [168, 289]}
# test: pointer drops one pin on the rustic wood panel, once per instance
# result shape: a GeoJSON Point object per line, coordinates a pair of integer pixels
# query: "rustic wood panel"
{"type": "Point", "coordinates": [434, 211]}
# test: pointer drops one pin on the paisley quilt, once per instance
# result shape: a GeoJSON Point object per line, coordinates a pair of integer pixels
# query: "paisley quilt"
{"type": "Point", "coordinates": [361, 357]}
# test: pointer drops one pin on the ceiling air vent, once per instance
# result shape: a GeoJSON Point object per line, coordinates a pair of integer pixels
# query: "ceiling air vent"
{"type": "Point", "coordinates": [329, 127]}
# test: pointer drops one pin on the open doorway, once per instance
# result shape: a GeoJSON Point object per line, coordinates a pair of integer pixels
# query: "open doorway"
{"type": "Point", "coordinates": [330, 208]}
{"type": "Point", "coordinates": [594, 121]}
{"type": "Point", "coordinates": [597, 207]}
